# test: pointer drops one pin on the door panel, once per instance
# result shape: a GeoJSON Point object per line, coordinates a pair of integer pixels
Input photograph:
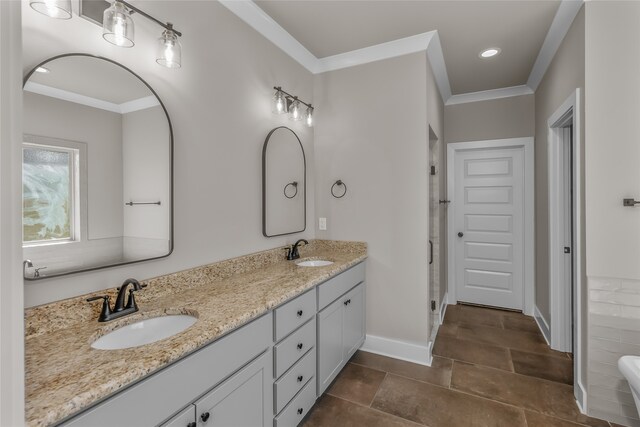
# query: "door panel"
{"type": "Point", "coordinates": [488, 215]}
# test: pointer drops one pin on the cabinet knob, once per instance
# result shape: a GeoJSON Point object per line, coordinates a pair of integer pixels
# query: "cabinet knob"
{"type": "Point", "coordinates": [299, 313]}
{"type": "Point", "coordinates": [192, 424]}
{"type": "Point", "coordinates": [300, 346]}
{"type": "Point", "coordinates": [300, 411]}
{"type": "Point", "coordinates": [347, 302]}
{"type": "Point", "coordinates": [300, 378]}
{"type": "Point", "coordinates": [205, 416]}
{"type": "Point", "coordinates": [460, 234]}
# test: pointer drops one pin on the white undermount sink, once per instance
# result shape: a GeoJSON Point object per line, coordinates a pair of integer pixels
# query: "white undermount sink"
{"type": "Point", "coordinates": [629, 366]}
{"type": "Point", "coordinates": [144, 332]}
{"type": "Point", "coordinates": [314, 263]}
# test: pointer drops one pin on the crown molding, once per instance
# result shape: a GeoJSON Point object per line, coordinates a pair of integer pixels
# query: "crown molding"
{"type": "Point", "coordinates": [567, 11]}
{"type": "Point", "coordinates": [65, 95]}
{"type": "Point", "coordinates": [399, 47]}
{"type": "Point", "coordinates": [258, 19]}
{"type": "Point", "coordinates": [439, 68]}
{"type": "Point", "coordinates": [486, 95]}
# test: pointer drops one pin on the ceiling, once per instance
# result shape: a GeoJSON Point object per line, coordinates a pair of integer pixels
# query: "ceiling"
{"type": "Point", "coordinates": [96, 79]}
{"type": "Point", "coordinates": [518, 27]}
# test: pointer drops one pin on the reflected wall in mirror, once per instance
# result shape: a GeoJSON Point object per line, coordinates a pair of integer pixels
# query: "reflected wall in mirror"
{"type": "Point", "coordinates": [97, 141]}
{"type": "Point", "coordinates": [284, 184]}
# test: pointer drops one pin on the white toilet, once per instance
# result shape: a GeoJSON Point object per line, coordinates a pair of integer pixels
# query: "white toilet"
{"type": "Point", "coordinates": [629, 366]}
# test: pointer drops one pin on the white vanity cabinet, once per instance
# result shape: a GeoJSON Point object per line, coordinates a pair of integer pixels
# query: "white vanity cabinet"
{"type": "Point", "coordinates": [294, 359]}
{"type": "Point", "coordinates": [341, 323]}
{"type": "Point", "coordinates": [158, 397]}
{"type": "Point", "coordinates": [265, 373]}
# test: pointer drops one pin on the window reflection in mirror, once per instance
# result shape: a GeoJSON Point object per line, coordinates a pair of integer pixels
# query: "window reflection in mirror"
{"type": "Point", "coordinates": [96, 139]}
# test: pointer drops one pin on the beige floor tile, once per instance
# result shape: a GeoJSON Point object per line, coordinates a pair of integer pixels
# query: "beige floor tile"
{"type": "Point", "coordinates": [472, 352]}
{"type": "Point", "coordinates": [436, 406]}
{"type": "Point", "coordinates": [357, 383]}
{"type": "Point", "coordinates": [331, 411]}
{"type": "Point", "coordinates": [438, 373]}
{"type": "Point", "coordinates": [548, 397]}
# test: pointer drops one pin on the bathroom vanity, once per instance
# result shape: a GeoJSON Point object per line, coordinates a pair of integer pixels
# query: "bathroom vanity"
{"type": "Point", "coordinates": [270, 337]}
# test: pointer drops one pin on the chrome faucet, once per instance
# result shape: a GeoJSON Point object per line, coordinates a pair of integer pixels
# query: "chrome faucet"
{"type": "Point", "coordinates": [119, 309]}
{"type": "Point", "coordinates": [292, 252]}
{"type": "Point", "coordinates": [26, 264]}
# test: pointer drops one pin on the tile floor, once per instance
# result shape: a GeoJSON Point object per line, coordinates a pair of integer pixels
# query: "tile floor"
{"type": "Point", "coordinates": [490, 368]}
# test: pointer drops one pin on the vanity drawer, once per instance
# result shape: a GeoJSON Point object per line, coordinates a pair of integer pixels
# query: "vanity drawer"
{"type": "Point", "coordinates": [330, 290]}
{"type": "Point", "coordinates": [291, 382]}
{"type": "Point", "coordinates": [299, 406]}
{"type": "Point", "coordinates": [293, 314]}
{"type": "Point", "coordinates": [294, 347]}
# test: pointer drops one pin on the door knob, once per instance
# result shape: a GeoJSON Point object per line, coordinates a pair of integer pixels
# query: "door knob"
{"type": "Point", "coordinates": [460, 234]}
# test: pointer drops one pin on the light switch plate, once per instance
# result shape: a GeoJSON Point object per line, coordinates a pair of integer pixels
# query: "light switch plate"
{"type": "Point", "coordinates": [322, 223]}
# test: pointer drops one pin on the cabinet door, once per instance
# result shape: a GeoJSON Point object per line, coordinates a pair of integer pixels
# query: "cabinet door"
{"type": "Point", "coordinates": [186, 418]}
{"type": "Point", "coordinates": [354, 320]}
{"type": "Point", "coordinates": [330, 344]}
{"type": "Point", "coordinates": [244, 400]}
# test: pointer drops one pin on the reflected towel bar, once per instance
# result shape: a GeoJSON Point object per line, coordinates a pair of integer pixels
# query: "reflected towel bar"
{"type": "Point", "coordinates": [142, 203]}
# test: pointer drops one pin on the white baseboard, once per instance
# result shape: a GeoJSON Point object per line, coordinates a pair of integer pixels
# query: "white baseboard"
{"type": "Point", "coordinates": [581, 396]}
{"type": "Point", "coordinates": [443, 308]}
{"type": "Point", "coordinates": [410, 352]}
{"type": "Point", "coordinates": [543, 325]}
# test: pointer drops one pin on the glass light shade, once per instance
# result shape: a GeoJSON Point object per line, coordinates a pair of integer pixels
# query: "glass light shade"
{"type": "Point", "coordinates": [279, 103]}
{"type": "Point", "coordinates": [59, 9]}
{"type": "Point", "coordinates": [308, 117]}
{"type": "Point", "coordinates": [169, 50]}
{"type": "Point", "coordinates": [117, 25]}
{"type": "Point", "coordinates": [295, 112]}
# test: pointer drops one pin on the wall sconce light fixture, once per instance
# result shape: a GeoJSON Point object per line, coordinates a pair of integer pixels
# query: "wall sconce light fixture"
{"type": "Point", "coordinates": [118, 27]}
{"type": "Point", "coordinates": [284, 102]}
{"type": "Point", "coordinates": [58, 9]}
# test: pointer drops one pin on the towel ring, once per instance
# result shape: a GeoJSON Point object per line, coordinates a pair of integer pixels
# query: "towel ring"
{"type": "Point", "coordinates": [339, 183]}
{"type": "Point", "coordinates": [294, 184]}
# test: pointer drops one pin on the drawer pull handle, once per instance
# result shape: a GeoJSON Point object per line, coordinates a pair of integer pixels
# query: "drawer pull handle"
{"type": "Point", "coordinates": [300, 378]}
{"type": "Point", "coordinates": [347, 302]}
{"type": "Point", "coordinates": [300, 346]}
{"type": "Point", "coordinates": [299, 313]}
{"type": "Point", "coordinates": [300, 411]}
{"type": "Point", "coordinates": [192, 424]}
{"type": "Point", "coordinates": [205, 416]}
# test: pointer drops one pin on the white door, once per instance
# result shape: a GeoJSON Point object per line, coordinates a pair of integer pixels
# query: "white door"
{"type": "Point", "coordinates": [488, 229]}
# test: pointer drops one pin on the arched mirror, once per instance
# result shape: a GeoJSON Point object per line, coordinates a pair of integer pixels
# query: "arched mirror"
{"type": "Point", "coordinates": [96, 168]}
{"type": "Point", "coordinates": [284, 184]}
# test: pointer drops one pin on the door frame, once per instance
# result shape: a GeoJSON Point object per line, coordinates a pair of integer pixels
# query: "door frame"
{"type": "Point", "coordinates": [529, 219]}
{"type": "Point", "coordinates": [560, 297]}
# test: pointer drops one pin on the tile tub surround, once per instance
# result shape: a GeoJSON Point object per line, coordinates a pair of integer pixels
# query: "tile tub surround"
{"type": "Point", "coordinates": [65, 375]}
{"type": "Point", "coordinates": [614, 331]}
{"type": "Point", "coordinates": [460, 388]}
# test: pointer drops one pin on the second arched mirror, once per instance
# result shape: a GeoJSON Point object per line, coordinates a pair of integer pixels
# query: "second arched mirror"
{"type": "Point", "coordinates": [284, 184]}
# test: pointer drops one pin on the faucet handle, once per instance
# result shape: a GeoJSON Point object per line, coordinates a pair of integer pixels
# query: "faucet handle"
{"type": "Point", "coordinates": [105, 313]}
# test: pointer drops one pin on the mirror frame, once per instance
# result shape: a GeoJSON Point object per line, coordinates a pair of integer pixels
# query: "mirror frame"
{"type": "Point", "coordinates": [264, 184]}
{"type": "Point", "coordinates": [166, 113]}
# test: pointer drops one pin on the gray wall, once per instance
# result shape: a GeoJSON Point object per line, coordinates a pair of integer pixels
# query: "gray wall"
{"type": "Point", "coordinates": [493, 119]}
{"type": "Point", "coordinates": [563, 77]}
{"type": "Point", "coordinates": [482, 120]}
{"type": "Point", "coordinates": [612, 156]}
{"type": "Point", "coordinates": [220, 107]}
{"type": "Point", "coordinates": [565, 74]}
{"type": "Point", "coordinates": [374, 136]}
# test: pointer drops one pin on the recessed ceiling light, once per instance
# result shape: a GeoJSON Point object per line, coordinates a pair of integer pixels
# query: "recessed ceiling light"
{"type": "Point", "coordinates": [488, 53]}
{"type": "Point", "coordinates": [42, 70]}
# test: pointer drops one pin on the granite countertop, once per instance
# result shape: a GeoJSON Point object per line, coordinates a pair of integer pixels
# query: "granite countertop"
{"type": "Point", "coordinates": [65, 375]}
